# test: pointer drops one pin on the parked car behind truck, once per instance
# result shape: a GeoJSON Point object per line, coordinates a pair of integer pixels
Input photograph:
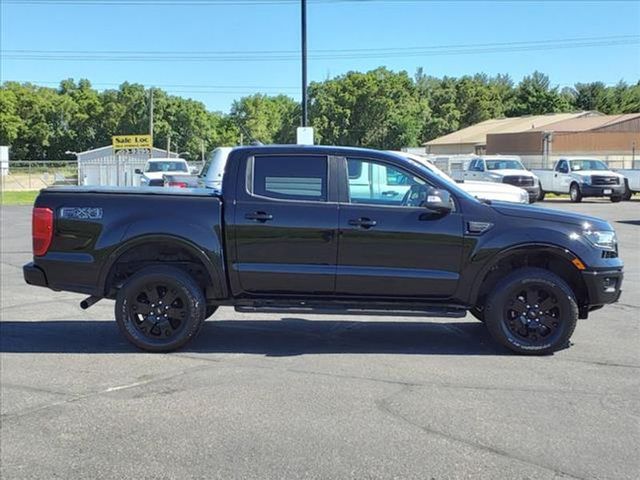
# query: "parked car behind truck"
{"type": "Point", "coordinates": [501, 169]}
{"type": "Point", "coordinates": [580, 178]}
{"type": "Point", "coordinates": [291, 231]}
{"type": "Point", "coordinates": [156, 168]}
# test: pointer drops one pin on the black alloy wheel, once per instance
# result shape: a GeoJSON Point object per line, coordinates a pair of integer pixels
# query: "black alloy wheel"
{"type": "Point", "coordinates": [160, 308]}
{"type": "Point", "coordinates": [531, 311]}
{"type": "Point", "coordinates": [158, 311]}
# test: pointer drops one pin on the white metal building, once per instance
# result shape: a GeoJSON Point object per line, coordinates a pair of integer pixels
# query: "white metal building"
{"type": "Point", "coordinates": [101, 166]}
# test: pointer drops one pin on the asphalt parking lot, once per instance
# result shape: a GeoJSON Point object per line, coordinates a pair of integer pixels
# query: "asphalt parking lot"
{"type": "Point", "coordinates": [267, 396]}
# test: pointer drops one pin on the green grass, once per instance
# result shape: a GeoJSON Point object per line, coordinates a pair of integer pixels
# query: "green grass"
{"type": "Point", "coordinates": [23, 197]}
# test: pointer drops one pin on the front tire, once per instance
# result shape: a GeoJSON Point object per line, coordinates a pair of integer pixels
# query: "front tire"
{"type": "Point", "coordinates": [575, 194]}
{"type": "Point", "coordinates": [532, 312]}
{"type": "Point", "coordinates": [615, 198]}
{"type": "Point", "coordinates": [160, 308]}
{"type": "Point", "coordinates": [626, 196]}
{"type": "Point", "coordinates": [541, 195]}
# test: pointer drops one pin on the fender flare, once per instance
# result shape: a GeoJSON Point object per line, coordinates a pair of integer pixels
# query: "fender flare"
{"type": "Point", "coordinates": [522, 247]}
{"type": "Point", "coordinates": [215, 272]}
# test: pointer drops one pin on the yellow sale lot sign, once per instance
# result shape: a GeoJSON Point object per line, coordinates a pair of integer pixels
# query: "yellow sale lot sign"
{"type": "Point", "coordinates": [126, 142]}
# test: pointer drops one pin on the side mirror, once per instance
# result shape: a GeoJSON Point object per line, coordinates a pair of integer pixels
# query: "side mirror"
{"type": "Point", "coordinates": [438, 201]}
{"type": "Point", "coordinates": [138, 171]}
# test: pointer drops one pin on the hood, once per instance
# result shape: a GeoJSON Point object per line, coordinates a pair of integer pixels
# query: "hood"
{"type": "Point", "coordinates": [156, 175]}
{"type": "Point", "coordinates": [550, 215]}
{"type": "Point", "coordinates": [473, 186]}
{"type": "Point", "coordinates": [604, 173]}
{"type": "Point", "coordinates": [522, 173]}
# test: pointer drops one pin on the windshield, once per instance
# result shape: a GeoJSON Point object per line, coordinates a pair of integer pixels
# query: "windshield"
{"type": "Point", "coordinates": [424, 164]}
{"type": "Point", "coordinates": [166, 167]}
{"type": "Point", "coordinates": [585, 164]}
{"type": "Point", "coordinates": [430, 166]}
{"type": "Point", "coordinates": [504, 165]}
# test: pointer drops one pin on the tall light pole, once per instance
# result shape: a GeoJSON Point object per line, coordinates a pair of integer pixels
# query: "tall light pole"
{"type": "Point", "coordinates": [303, 17]}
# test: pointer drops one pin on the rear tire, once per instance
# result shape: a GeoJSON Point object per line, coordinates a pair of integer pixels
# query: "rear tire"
{"type": "Point", "coordinates": [532, 312]}
{"type": "Point", "coordinates": [160, 308]}
{"type": "Point", "coordinates": [575, 194]}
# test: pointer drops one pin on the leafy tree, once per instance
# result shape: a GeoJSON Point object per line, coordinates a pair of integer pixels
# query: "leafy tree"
{"type": "Point", "coordinates": [266, 119]}
{"type": "Point", "coordinates": [379, 109]}
{"type": "Point", "coordinates": [535, 96]}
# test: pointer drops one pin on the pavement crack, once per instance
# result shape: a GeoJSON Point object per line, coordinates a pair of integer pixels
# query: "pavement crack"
{"type": "Point", "coordinates": [77, 398]}
{"type": "Point", "coordinates": [434, 384]}
{"type": "Point", "coordinates": [29, 388]}
{"type": "Point", "coordinates": [385, 407]}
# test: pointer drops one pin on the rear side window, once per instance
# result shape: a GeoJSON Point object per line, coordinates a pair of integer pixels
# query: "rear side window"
{"type": "Point", "coordinates": [290, 177]}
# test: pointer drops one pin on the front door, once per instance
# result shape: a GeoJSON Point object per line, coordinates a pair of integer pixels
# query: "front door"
{"type": "Point", "coordinates": [390, 247]}
{"type": "Point", "coordinates": [285, 226]}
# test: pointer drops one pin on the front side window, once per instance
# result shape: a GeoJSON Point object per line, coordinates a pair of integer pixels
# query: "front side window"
{"type": "Point", "coordinates": [290, 177]}
{"type": "Point", "coordinates": [562, 167]}
{"type": "Point", "coordinates": [379, 184]}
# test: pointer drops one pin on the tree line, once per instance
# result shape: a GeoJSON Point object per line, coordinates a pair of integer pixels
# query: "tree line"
{"type": "Point", "coordinates": [377, 109]}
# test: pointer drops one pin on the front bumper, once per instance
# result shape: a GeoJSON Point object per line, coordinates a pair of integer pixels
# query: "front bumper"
{"type": "Point", "coordinates": [34, 275]}
{"type": "Point", "coordinates": [603, 286]}
{"type": "Point", "coordinates": [598, 191]}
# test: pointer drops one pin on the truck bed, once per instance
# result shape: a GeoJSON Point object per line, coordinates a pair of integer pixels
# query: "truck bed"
{"type": "Point", "coordinates": [189, 192]}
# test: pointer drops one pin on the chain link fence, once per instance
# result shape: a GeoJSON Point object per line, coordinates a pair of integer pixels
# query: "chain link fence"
{"type": "Point", "coordinates": [25, 175]}
{"type": "Point", "coordinates": [34, 175]}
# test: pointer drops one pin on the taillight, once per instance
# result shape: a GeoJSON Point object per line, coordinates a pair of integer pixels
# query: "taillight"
{"type": "Point", "coordinates": [178, 184]}
{"type": "Point", "coordinates": [41, 230]}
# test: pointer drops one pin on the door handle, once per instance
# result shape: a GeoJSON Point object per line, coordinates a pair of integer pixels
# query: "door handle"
{"type": "Point", "coordinates": [390, 193]}
{"type": "Point", "coordinates": [259, 216]}
{"type": "Point", "coordinates": [363, 223]}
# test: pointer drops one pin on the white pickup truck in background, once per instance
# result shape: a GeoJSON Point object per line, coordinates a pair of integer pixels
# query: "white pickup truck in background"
{"type": "Point", "coordinates": [631, 182]}
{"type": "Point", "coordinates": [153, 173]}
{"type": "Point", "coordinates": [501, 169]}
{"type": "Point", "coordinates": [581, 177]}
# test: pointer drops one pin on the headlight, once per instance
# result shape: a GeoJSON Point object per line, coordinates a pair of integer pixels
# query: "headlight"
{"type": "Point", "coordinates": [524, 197]}
{"type": "Point", "coordinates": [586, 180]}
{"type": "Point", "coordinates": [144, 180]}
{"type": "Point", "coordinates": [602, 239]}
{"type": "Point", "coordinates": [495, 176]}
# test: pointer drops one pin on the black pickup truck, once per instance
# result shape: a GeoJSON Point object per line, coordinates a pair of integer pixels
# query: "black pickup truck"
{"type": "Point", "coordinates": [311, 229]}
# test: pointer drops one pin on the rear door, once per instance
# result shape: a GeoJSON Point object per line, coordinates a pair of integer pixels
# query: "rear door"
{"type": "Point", "coordinates": [285, 225]}
{"type": "Point", "coordinates": [389, 249]}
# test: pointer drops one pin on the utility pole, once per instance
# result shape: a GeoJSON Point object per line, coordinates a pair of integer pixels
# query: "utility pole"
{"type": "Point", "coordinates": [168, 144]}
{"type": "Point", "coordinates": [151, 114]}
{"type": "Point", "coordinates": [303, 17]}
{"type": "Point", "coordinates": [202, 145]}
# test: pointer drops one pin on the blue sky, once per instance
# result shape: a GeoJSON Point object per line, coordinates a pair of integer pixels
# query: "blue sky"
{"type": "Point", "coordinates": [234, 26]}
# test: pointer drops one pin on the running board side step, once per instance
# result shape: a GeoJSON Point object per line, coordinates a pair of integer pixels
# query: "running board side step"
{"type": "Point", "coordinates": [446, 312]}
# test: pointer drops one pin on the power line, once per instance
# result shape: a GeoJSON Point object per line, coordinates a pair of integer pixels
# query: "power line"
{"type": "Point", "coordinates": [194, 88]}
{"type": "Point", "coordinates": [288, 55]}
{"type": "Point", "coordinates": [199, 2]}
